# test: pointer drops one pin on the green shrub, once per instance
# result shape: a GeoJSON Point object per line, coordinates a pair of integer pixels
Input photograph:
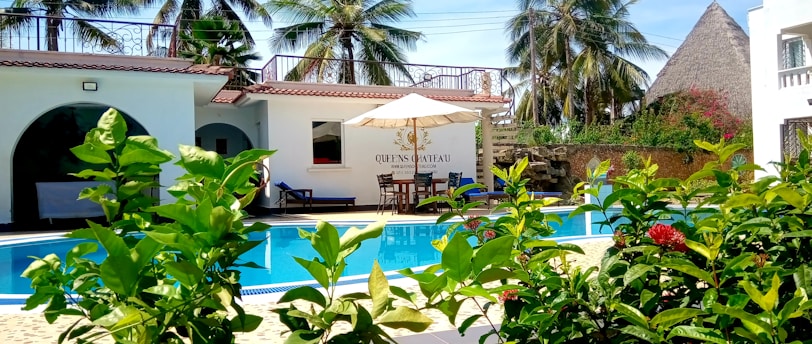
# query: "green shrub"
{"type": "Point", "coordinates": [177, 281]}
{"type": "Point", "coordinates": [632, 160]}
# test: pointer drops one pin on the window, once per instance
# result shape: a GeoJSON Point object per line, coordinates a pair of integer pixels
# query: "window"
{"type": "Point", "coordinates": [794, 53]}
{"type": "Point", "coordinates": [326, 143]}
{"type": "Point", "coordinates": [221, 146]}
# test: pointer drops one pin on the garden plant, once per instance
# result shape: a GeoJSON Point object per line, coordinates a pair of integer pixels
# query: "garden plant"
{"type": "Point", "coordinates": [170, 273]}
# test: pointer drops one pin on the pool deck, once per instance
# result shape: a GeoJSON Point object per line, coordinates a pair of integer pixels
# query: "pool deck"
{"type": "Point", "coordinates": [17, 326]}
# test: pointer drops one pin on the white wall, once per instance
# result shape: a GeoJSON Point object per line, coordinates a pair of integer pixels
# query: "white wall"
{"type": "Point", "coordinates": [243, 119]}
{"type": "Point", "coordinates": [289, 130]}
{"type": "Point", "coordinates": [772, 105]}
{"type": "Point", "coordinates": [164, 106]}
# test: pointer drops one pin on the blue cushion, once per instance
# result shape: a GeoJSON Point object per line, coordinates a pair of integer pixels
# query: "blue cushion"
{"type": "Point", "coordinates": [466, 181]}
{"type": "Point", "coordinates": [285, 187]}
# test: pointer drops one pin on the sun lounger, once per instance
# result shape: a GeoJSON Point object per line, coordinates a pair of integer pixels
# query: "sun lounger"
{"type": "Point", "coordinates": [305, 197]}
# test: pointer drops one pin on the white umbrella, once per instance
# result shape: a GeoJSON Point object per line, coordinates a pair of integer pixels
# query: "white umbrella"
{"type": "Point", "coordinates": [414, 110]}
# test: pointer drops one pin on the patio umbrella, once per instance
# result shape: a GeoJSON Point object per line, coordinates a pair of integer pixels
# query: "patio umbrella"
{"type": "Point", "coordinates": [414, 110]}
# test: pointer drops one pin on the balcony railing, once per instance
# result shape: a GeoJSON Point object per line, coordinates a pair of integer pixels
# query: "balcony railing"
{"type": "Point", "coordinates": [801, 76]}
{"type": "Point", "coordinates": [48, 33]}
{"type": "Point", "coordinates": [481, 80]}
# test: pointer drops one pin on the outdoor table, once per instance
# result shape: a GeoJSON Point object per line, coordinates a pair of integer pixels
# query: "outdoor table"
{"type": "Point", "coordinates": [405, 186]}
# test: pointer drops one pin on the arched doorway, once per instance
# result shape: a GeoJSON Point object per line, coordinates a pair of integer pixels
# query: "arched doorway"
{"type": "Point", "coordinates": [42, 153]}
{"type": "Point", "coordinates": [225, 139]}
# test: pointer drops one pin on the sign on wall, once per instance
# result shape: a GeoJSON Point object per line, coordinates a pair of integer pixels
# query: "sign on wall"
{"type": "Point", "coordinates": [402, 161]}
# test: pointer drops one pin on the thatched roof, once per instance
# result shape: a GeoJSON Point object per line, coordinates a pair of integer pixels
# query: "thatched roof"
{"type": "Point", "coordinates": [715, 55]}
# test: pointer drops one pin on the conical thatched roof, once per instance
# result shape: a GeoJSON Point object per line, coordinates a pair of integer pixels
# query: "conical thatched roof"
{"type": "Point", "coordinates": [715, 55]}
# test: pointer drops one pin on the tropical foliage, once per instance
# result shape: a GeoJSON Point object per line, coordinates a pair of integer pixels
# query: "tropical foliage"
{"type": "Point", "coordinates": [216, 41]}
{"type": "Point", "coordinates": [345, 30]}
{"type": "Point", "coordinates": [185, 13]}
{"type": "Point", "coordinates": [63, 15]}
{"type": "Point", "coordinates": [169, 274]}
{"type": "Point", "coordinates": [582, 51]}
{"type": "Point", "coordinates": [729, 268]}
{"type": "Point", "coordinates": [316, 321]}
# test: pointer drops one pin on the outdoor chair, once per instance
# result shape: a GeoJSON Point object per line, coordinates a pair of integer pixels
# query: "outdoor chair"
{"type": "Point", "coordinates": [305, 197]}
{"type": "Point", "coordinates": [388, 194]}
{"type": "Point", "coordinates": [422, 187]}
{"type": "Point", "coordinates": [453, 182]}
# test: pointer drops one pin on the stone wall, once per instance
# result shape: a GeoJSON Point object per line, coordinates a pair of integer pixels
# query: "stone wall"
{"type": "Point", "coordinates": [672, 164]}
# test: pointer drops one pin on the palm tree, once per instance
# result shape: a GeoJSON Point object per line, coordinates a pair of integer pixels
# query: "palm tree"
{"type": "Point", "coordinates": [217, 41]}
{"type": "Point", "coordinates": [346, 30]}
{"type": "Point", "coordinates": [183, 14]}
{"type": "Point", "coordinates": [68, 13]}
{"type": "Point", "coordinates": [586, 43]}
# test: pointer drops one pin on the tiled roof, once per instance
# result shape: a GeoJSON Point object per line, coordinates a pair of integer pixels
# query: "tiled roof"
{"type": "Point", "coordinates": [227, 96]}
{"type": "Point", "coordinates": [266, 89]}
{"type": "Point", "coordinates": [193, 69]}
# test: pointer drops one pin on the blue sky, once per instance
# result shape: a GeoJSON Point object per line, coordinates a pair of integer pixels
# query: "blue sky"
{"type": "Point", "coordinates": [471, 32]}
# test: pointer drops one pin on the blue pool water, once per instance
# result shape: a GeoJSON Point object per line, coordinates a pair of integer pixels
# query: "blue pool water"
{"type": "Point", "coordinates": [400, 246]}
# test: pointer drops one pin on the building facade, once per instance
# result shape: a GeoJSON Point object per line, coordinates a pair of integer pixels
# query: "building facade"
{"type": "Point", "coordinates": [781, 74]}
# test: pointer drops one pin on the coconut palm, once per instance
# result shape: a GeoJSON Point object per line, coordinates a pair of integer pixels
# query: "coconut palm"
{"type": "Point", "coordinates": [216, 41]}
{"type": "Point", "coordinates": [62, 15]}
{"type": "Point", "coordinates": [586, 43]}
{"type": "Point", "coordinates": [348, 30]}
{"type": "Point", "coordinates": [184, 13]}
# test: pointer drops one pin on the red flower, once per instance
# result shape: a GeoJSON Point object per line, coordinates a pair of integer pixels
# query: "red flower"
{"type": "Point", "coordinates": [512, 295]}
{"type": "Point", "coordinates": [472, 224]}
{"type": "Point", "coordinates": [489, 234]}
{"type": "Point", "coordinates": [620, 240]}
{"type": "Point", "coordinates": [728, 136]}
{"type": "Point", "coordinates": [668, 237]}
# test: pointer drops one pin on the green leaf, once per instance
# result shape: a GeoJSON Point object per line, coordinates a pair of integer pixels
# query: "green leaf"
{"type": "Point", "coordinates": [699, 333]}
{"type": "Point", "coordinates": [145, 251]}
{"type": "Point", "coordinates": [688, 267]}
{"type": "Point", "coordinates": [143, 150]}
{"type": "Point", "coordinates": [118, 271]}
{"type": "Point", "coordinates": [187, 274]}
{"type": "Point", "coordinates": [306, 293]}
{"type": "Point", "coordinates": [642, 333]}
{"type": "Point", "coordinates": [80, 250]}
{"type": "Point", "coordinates": [765, 301]}
{"type": "Point", "coordinates": [91, 154]}
{"type": "Point", "coordinates": [245, 322]}
{"type": "Point", "coordinates": [354, 236]}
{"type": "Point", "coordinates": [618, 195]}
{"type": "Point", "coordinates": [326, 242]}
{"type": "Point", "coordinates": [635, 272]}
{"type": "Point", "coordinates": [583, 208]}
{"type": "Point", "coordinates": [405, 317]}
{"type": "Point", "coordinates": [378, 290]}
{"type": "Point", "coordinates": [468, 322]}
{"type": "Point", "coordinates": [494, 252]}
{"type": "Point", "coordinates": [742, 201]}
{"type": "Point", "coordinates": [671, 317]}
{"type": "Point", "coordinates": [493, 274]}
{"type": "Point", "coordinates": [754, 323]}
{"type": "Point", "coordinates": [114, 128]}
{"type": "Point", "coordinates": [456, 258]}
{"type": "Point", "coordinates": [790, 196]}
{"type": "Point", "coordinates": [316, 269]}
{"type": "Point", "coordinates": [699, 248]}
{"type": "Point", "coordinates": [201, 162]}
{"type": "Point", "coordinates": [632, 314]}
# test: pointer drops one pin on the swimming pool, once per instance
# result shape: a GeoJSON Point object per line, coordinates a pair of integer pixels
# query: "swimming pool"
{"type": "Point", "coordinates": [401, 245]}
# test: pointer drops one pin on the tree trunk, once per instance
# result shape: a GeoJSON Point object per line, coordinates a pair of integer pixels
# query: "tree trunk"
{"type": "Point", "coordinates": [52, 31]}
{"type": "Point", "coordinates": [348, 65]}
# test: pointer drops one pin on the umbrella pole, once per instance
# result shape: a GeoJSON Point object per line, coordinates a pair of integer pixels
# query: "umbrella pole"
{"type": "Point", "coordinates": [414, 130]}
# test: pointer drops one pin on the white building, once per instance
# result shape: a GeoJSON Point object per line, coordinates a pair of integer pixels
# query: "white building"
{"type": "Point", "coordinates": [781, 74]}
{"type": "Point", "coordinates": [46, 94]}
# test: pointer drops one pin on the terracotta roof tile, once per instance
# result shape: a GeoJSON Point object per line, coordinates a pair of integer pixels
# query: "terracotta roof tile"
{"type": "Point", "coordinates": [193, 69]}
{"type": "Point", "coordinates": [227, 96]}
{"type": "Point", "coordinates": [266, 89]}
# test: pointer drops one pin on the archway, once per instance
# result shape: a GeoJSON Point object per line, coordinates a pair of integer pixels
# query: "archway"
{"type": "Point", "coordinates": [225, 139]}
{"type": "Point", "coordinates": [42, 153]}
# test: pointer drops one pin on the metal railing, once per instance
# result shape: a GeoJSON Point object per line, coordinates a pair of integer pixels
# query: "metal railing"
{"type": "Point", "coordinates": [25, 31]}
{"type": "Point", "coordinates": [481, 80]}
